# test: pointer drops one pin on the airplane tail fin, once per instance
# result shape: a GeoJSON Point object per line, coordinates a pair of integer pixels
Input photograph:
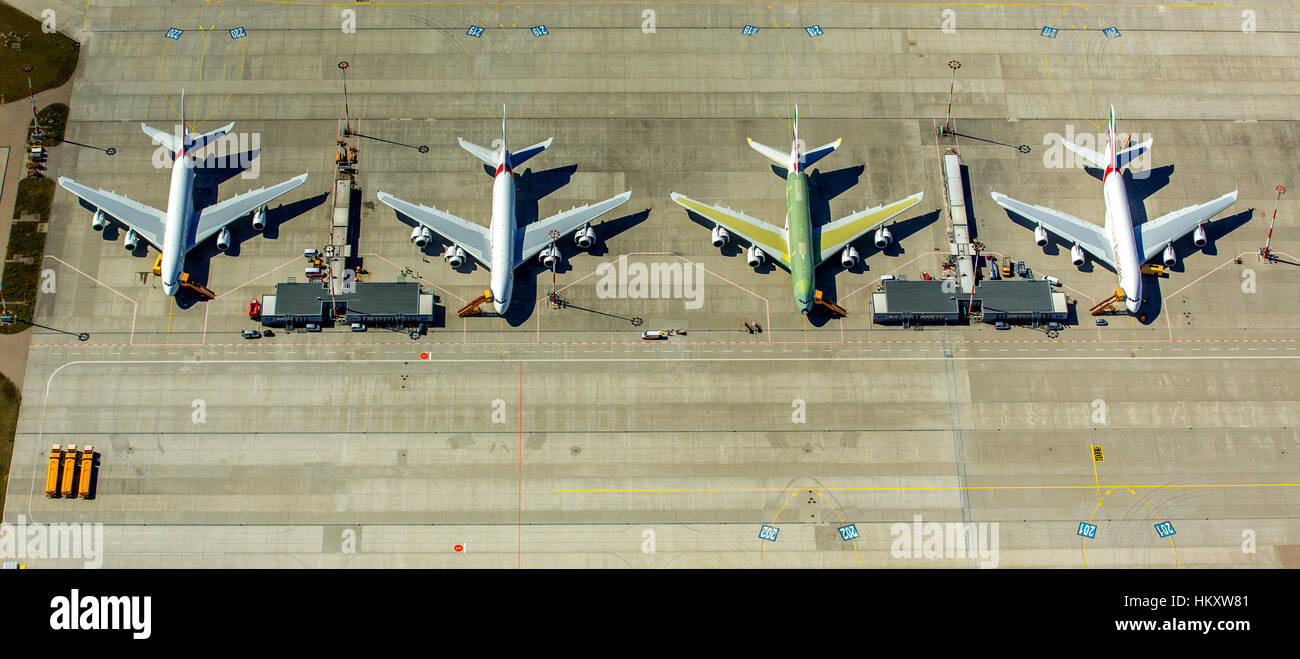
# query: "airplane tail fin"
{"type": "Point", "coordinates": [1111, 128]}
{"type": "Point", "coordinates": [184, 142]}
{"type": "Point", "coordinates": [1130, 153]}
{"type": "Point", "coordinates": [1122, 158]}
{"type": "Point", "coordinates": [786, 161]}
{"type": "Point", "coordinates": [493, 158]}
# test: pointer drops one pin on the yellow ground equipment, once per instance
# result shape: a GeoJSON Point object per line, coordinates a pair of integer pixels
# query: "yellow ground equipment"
{"type": "Point", "coordinates": [473, 308]}
{"type": "Point", "coordinates": [202, 291]}
{"type": "Point", "coordinates": [87, 468]}
{"type": "Point", "coordinates": [1156, 270]}
{"type": "Point", "coordinates": [52, 473]}
{"type": "Point", "coordinates": [69, 472]}
{"type": "Point", "coordinates": [835, 310]}
{"type": "Point", "coordinates": [1108, 305]}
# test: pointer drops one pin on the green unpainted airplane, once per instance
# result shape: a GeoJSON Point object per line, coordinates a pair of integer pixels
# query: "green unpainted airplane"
{"type": "Point", "coordinates": [799, 247]}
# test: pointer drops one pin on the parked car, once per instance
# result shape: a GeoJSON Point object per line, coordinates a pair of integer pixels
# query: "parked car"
{"type": "Point", "coordinates": [268, 333]}
{"type": "Point", "coordinates": [312, 327]}
{"type": "Point", "coordinates": [654, 335]}
{"type": "Point", "coordinates": [358, 327]}
{"type": "Point", "coordinates": [252, 334]}
{"type": "Point", "coordinates": [1101, 322]}
{"type": "Point", "coordinates": [1002, 325]}
{"type": "Point", "coordinates": [1053, 325]}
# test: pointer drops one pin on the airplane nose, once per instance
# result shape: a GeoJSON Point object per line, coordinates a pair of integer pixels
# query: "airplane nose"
{"type": "Point", "coordinates": [1132, 305]}
{"type": "Point", "coordinates": [170, 289]}
{"type": "Point", "coordinates": [500, 306]}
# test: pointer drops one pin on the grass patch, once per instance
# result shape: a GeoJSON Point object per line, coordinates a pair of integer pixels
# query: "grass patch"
{"type": "Point", "coordinates": [10, 398]}
{"type": "Point", "coordinates": [26, 240]}
{"type": "Point", "coordinates": [53, 56]}
{"type": "Point", "coordinates": [34, 196]}
{"type": "Point", "coordinates": [54, 118]}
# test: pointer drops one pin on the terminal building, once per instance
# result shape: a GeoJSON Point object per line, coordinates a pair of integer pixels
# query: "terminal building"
{"type": "Point", "coordinates": [962, 296]}
{"type": "Point", "coordinates": [400, 305]}
{"type": "Point", "coordinates": [940, 302]}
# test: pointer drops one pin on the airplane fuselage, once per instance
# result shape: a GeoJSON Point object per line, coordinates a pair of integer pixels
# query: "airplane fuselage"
{"type": "Point", "coordinates": [503, 231]}
{"type": "Point", "coordinates": [798, 235]}
{"type": "Point", "coordinates": [1123, 241]}
{"type": "Point", "coordinates": [180, 208]}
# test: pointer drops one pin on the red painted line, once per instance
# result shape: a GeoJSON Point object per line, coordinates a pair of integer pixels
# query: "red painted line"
{"type": "Point", "coordinates": [519, 550]}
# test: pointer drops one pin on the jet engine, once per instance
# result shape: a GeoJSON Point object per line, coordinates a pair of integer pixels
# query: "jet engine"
{"type": "Point", "coordinates": [223, 240]}
{"type": "Point", "coordinates": [1198, 236]}
{"type": "Point", "coordinates": [754, 255]}
{"type": "Point", "coordinates": [720, 236]}
{"type": "Point", "coordinates": [883, 238]}
{"type": "Point", "coordinates": [132, 240]}
{"type": "Point", "coordinates": [421, 237]}
{"type": "Point", "coordinates": [849, 257]}
{"type": "Point", "coordinates": [259, 219]}
{"type": "Point", "coordinates": [585, 237]}
{"type": "Point", "coordinates": [1169, 257]}
{"type": "Point", "coordinates": [99, 222]}
{"type": "Point", "coordinates": [1040, 236]}
{"type": "Point", "coordinates": [455, 256]}
{"type": "Point", "coordinates": [549, 256]}
{"type": "Point", "coordinates": [1076, 255]}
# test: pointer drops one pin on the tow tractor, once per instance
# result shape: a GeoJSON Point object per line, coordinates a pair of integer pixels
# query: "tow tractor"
{"type": "Point", "coordinates": [659, 335]}
{"type": "Point", "coordinates": [254, 309]}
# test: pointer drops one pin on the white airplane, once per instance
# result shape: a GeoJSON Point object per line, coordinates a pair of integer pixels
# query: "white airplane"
{"type": "Point", "coordinates": [1119, 244]}
{"type": "Point", "coordinates": [179, 229]}
{"type": "Point", "coordinates": [503, 246]}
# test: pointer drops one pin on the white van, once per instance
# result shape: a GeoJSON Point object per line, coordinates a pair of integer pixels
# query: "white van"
{"type": "Point", "coordinates": [1052, 280]}
{"type": "Point", "coordinates": [885, 278]}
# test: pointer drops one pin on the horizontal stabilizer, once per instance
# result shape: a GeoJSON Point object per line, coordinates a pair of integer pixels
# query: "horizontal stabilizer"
{"type": "Point", "coordinates": [205, 139]}
{"type": "Point", "coordinates": [777, 156]}
{"type": "Point", "coordinates": [518, 158]}
{"type": "Point", "coordinates": [168, 140]}
{"type": "Point", "coordinates": [807, 159]}
{"type": "Point", "coordinates": [488, 156]}
{"type": "Point", "coordinates": [1130, 154]}
{"type": "Point", "coordinates": [1088, 155]}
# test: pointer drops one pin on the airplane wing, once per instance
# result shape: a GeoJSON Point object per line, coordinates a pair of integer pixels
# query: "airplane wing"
{"type": "Point", "coordinates": [835, 235]}
{"type": "Point", "coordinates": [765, 236]}
{"type": "Point", "coordinates": [1089, 236]}
{"type": "Point", "coordinates": [1167, 228]}
{"type": "Point", "coordinates": [144, 220]}
{"type": "Point", "coordinates": [216, 216]}
{"type": "Point", "coordinates": [536, 236]}
{"type": "Point", "coordinates": [469, 236]}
